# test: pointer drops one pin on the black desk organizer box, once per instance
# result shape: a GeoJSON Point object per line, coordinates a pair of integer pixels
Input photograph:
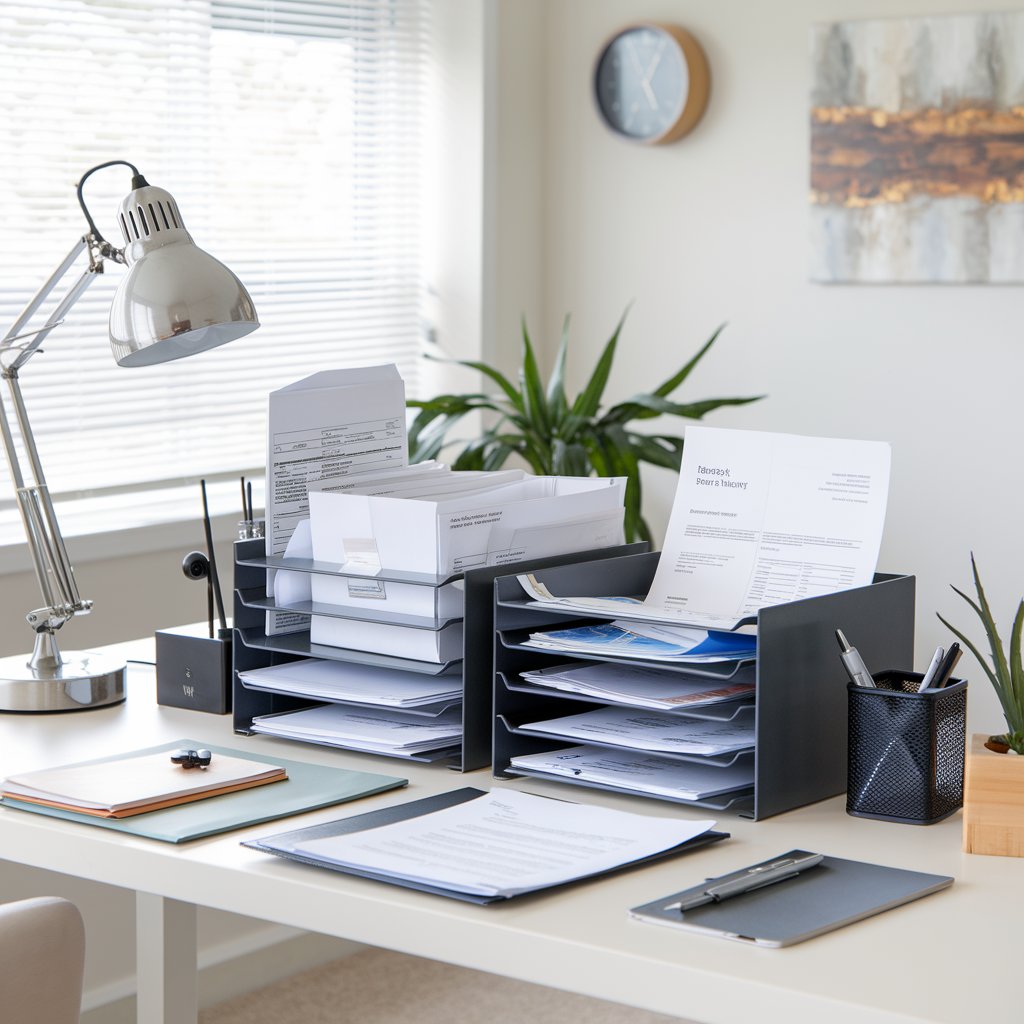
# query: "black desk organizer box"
{"type": "Point", "coordinates": [800, 711]}
{"type": "Point", "coordinates": [252, 648]}
{"type": "Point", "coordinates": [906, 749]}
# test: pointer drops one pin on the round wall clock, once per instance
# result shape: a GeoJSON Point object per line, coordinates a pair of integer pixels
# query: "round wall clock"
{"type": "Point", "coordinates": [651, 83]}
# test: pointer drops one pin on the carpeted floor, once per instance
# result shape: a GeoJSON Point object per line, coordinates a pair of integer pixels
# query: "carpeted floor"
{"type": "Point", "coordinates": [379, 987]}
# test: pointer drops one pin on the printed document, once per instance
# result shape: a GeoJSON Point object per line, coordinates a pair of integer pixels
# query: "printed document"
{"type": "Point", "coordinates": [638, 687]}
{"type": "Point", "coordinates": [758, 519]}
{"type": "Point", "coordinates": [330, 424]}
{"type": "Point", "coordinates": [651, 730]}
{"type": "Point", "coordinates": [639, 773]}
{"type": "Point", "coordinates": [506, 843]}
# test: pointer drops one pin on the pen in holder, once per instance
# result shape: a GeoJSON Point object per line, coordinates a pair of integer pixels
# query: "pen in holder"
{"type": "Point", "coordinates": [906, 749]}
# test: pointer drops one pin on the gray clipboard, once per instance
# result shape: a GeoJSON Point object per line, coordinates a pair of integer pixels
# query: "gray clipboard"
{"type": "Point", "coordinates": [835, 893]}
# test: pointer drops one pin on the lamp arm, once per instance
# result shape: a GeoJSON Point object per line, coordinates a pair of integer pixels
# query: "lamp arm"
{"type": "Point", "coordinates": [50, 559]}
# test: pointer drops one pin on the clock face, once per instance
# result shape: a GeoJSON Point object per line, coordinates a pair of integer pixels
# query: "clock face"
{"type": "Point", "coordinates": [643, 84]}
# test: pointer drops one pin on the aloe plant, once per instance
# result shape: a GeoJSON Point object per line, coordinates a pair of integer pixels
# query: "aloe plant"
{"type": "Point", "coordinates": [555, 436]}
{"type": "Point", "coordinates": [1006, 672]}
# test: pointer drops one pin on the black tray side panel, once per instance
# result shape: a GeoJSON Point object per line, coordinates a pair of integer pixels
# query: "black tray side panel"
{"type": "Point", "coordinates": [478, 634]}
{"type": "Point", "coordinates": [801, 685]}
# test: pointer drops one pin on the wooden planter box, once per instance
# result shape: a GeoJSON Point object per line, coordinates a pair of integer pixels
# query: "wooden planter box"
{"type": "Point", "coordinates": [993, 801]}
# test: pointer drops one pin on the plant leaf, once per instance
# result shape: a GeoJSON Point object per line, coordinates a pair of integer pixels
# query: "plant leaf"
{"type": "Point", "coordinates": [981, 661]}
{"type": "Point", "coordinates": [651, 449]}
{"type": "Point", "coordinates": [680, 375]}
{"type": "Point", "coordinates": [513, 396]}
{"type": "Point", "coordinates": [558, 404]}
{"type": "Point", "coordinates": [998, 654]}
{"type": "Point", "coordinates": [647, 407]}
{"type": "Point", "coordinates": [588, 401]}
{"type": "Point", "coordinates": [535, 406]}
{"type": "Point", "coordinates": [1017, 669]}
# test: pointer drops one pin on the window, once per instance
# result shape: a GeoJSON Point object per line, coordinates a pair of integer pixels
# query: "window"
{"type": "Point", "coordinates": [290, 133]}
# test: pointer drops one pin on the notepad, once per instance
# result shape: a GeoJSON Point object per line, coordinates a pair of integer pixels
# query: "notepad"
{"type": "Point", "coordinates": [135, 784]}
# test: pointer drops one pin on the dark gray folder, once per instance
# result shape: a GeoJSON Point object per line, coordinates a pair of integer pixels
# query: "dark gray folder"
{"type": "Point", "coordinates": [285, 844]}
{"type": "Point", "coordinates": [835, 893]}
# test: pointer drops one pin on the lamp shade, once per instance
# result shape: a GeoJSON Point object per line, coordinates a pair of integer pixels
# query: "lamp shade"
{"type": "Point", "coordinates": [175, 300]}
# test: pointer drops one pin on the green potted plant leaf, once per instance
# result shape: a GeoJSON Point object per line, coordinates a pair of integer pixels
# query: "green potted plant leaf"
{"type": "Point", "coordinates": [557, 437]}
{"type": "Point", "coordinates": [1006, 670]}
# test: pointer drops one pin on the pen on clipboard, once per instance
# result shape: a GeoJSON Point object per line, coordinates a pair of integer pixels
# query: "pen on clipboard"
{"type": "Point", "coordinates": [749, 879]}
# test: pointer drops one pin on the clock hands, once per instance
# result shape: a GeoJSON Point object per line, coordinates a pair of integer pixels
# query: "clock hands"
{"type": "Point", "coordinates": [646, 74]}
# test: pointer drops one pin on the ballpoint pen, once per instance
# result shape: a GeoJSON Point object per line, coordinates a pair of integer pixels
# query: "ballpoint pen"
{"type": "Point", "coordinates": [926, 679]}
{"type": "Point", "coordinates": [788, 866]}
{"type": "Point", "coordinates": [945, 670]}
{"type": "Point", "coordinates": [855, 667]}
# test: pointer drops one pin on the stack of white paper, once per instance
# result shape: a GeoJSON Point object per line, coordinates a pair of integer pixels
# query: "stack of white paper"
{"type": "Point", "coordinates": [502, 844]}
{"type": "Point", "coordinates": [649, 641]}
{"type": "Point", "coordinates": [650, 730]}
{"type": "Point", "coordinates": [356, 684]}
{"type": "Point", "coordinates": [465, 520]}
{"type": "Point", "coordinates": [379, 730]}
{"type": "Point", "coordinates": [638, 687]}
{"type": "Point", "coordinates": [638, 773]}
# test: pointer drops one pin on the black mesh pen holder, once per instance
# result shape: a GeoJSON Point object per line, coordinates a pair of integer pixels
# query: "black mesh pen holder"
{"type": "Point", "coordinates": [906, 749]}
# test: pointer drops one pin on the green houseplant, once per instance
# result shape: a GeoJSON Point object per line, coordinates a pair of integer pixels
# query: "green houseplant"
{"type": "Point", "coordinates": [1006, 671]}
{"type": "Point", "coordinates": [555, 436]}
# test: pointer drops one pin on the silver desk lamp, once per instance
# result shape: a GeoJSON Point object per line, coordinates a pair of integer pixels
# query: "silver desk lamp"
{"type": "Point", "coordinates": [174, 301]}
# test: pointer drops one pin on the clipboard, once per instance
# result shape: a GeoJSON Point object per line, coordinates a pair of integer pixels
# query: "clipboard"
{"type": "Point", "coordinates": [837, 892]}
{"type": "Point", "coordinates": [285, 844]}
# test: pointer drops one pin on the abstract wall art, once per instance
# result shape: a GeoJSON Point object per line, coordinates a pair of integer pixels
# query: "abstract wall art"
{"type": "Point", "coordinates": [917, 150]}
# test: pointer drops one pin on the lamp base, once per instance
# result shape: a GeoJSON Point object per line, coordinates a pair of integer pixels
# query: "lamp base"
{"type": "Point", "coordinates": [83, 680]}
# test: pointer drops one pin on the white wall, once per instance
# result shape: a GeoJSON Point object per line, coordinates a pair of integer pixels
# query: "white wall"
{"type": "Point", "coordinates": [713, 228]}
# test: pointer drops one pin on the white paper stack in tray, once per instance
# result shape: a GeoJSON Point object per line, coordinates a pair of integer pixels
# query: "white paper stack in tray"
{"type": "Point", "coordinates": [347, 683]}
{"type": "Point", "coordinates": [653, 745]}
{"type": "Point", "coordinates": [376, 730]}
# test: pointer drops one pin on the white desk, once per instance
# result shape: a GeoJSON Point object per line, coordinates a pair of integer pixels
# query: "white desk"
{"type": "Point", "coordinates": [951, 957]}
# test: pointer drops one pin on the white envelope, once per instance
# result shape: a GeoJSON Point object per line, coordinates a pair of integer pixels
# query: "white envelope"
{"type": "Point", "coordinates": [438, 646]}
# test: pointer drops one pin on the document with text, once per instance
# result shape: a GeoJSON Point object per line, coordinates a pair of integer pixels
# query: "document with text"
{"type": "Point", "coordinates": [758, 519]}
{"type": "Point", "coordinates": [506, 843]}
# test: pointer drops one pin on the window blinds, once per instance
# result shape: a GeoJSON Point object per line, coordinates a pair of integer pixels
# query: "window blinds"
{"type": "Point", "coordinates": [291, 136]}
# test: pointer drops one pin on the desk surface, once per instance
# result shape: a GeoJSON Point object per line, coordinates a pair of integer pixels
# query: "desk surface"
{"type": "Point", "coordinates": [947, 958]}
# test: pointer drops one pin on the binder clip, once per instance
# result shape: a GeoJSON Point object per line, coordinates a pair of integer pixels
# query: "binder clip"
{"type": "Point", "coordinates": [192, 758]}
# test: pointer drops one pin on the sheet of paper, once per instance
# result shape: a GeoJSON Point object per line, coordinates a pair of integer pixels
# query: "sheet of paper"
{"type": "Point", "coordinates": [621, 640]}
{"type": "Point", "coordinates": [331, 424]}
{"type": "Point", "coordinates": [131, 781]}
{"type": "Point", "coordinates": [369, 684]}
{"type": "Point", "coordinates": [758, 519]}
{"type": "Point", "coordinates": [377, 729]}
{"type": "Point", "coordinates": [651, 730]}
{"type": "Point", "coordinates": [514, 544]}
{"type": "Point", "coordinates": [640, 687]}
{"type": "Point", "coordinates": [506, 843]}
{"type": "Point", "coordinates": [761, 519]}
{"type": "Point", "coordinates": [639, 773]}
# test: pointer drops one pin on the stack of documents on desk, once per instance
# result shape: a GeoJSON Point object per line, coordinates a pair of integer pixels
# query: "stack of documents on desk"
{"type": "Point", "coordinates": [357, 684]}
{"type": "Point", "coordinates": [121, 787]}
{"type": "Point", "coordinates": [488, 846]}
{"type": "Point", "coordinates": [650, 730]}
{"type": "Point", "coordinates": [378, 730]}
{"type": "Point", "coordinates": [758, 519]}
{"type": "Point", "coordinates": [638, 687]}
{"type": "Point", "coordinates": [638, 773]}
{"type": "Point", "coordinates": [651, 642]}
{"type": "Point", "coordinates": [456, 521]}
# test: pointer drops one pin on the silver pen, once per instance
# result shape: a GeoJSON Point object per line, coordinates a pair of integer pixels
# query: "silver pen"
{"type": "Point", "coordinates": [787, 866]}
{"type": "Point", "coordinates": [855, 667]}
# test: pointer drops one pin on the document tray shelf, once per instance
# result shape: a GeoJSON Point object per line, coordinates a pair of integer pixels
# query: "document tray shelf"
{"type": "Point", "coordinates": [515, 640]}
{"type": "Point", "coordinates": [254, 649]}
{"type": "Point", "coordinates": [553, 741]}
{"type": "Point", "coordinates": [800, 718]}
{"type": "Point", "coordinates": [725, 711]}
{"type": "Point", "coordinates": [256, 597]}
{"type": "Point", "coordinates": [735, 802]}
